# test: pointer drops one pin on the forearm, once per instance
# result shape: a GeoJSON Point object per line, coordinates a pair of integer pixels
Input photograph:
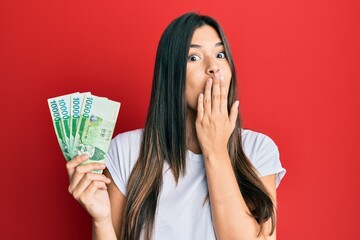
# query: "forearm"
{"type": "Point", "coordinates": [103, 230]}
{"type": "Point", "coordinates": [231, 216]}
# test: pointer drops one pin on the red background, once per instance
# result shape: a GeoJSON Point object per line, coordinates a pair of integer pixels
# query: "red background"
{"type": "Point", "coordinates": [298, 65]}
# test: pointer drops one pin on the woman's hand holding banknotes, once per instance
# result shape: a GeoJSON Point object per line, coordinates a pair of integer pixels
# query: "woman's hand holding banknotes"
{"type": "Point", "coordinates": [89, 188]}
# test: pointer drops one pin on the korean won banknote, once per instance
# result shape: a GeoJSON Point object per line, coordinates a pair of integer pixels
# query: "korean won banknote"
{"type": "Point", "coordinates": [84, 124]}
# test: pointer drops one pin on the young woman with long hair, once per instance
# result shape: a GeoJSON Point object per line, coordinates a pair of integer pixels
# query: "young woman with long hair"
{"type": "Point", "coordinates": [193, 172]}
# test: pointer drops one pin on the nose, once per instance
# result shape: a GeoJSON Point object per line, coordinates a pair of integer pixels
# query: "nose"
{"type": "Point", "coordinates": [212, 67]}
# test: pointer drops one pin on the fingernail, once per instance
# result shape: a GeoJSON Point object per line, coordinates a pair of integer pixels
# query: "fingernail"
{"type": "Point", "coordinates": [209, 80]}
{"type": "Point", "coordinates": [103, 165]}
{"type": "Point", "coordinates": [85, 156]}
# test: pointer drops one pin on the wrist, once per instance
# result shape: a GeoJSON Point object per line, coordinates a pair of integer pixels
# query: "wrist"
{"type": "Point", "coordinates": [102, 223]}
{"type": "Point", "coordinates": [216, 156]}
{"type": "Point", "coordinates": [103, 229]}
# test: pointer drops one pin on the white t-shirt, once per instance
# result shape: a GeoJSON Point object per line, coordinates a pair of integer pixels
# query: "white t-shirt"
{"type": "Point", "coordinates": [181, 212]}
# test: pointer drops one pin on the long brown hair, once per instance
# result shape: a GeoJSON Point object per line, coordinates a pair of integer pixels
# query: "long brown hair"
{"type": "Point", "coordinates": [164, 135]}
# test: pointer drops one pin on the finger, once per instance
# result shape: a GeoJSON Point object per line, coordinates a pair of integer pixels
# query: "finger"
{"type": "Point", "coordinates": [233, 114]}
{"type": "Point", "coordinates": [207, 97]}
{"type": "Point", "coordinates": [90, 191]}
{"type": "Point", "coordinates": [215, 96]}
{"type": "Point", "coordinates": [86, 181]}
{"type": "Point", "coordinates": [81, 170]}
{"type": "Point", "coordinates": [224, 96]}
{"type": "Point", "coordinates": [72, 164]}
{"type": "Point", "coordinates": [200, 108]}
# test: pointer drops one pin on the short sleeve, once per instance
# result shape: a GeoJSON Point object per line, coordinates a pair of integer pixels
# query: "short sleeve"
{"type": "Point", "coordinates": [121, 157]}
{"type": "Point", "coordinates": [264, 154]}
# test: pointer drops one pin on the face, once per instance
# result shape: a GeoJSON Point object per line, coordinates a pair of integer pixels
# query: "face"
{"type": "Point", "coordinates": [206, 59]}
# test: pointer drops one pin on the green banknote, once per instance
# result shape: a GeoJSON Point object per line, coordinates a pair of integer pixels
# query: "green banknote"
{"type": "Point", "coordinates": [89, 126]}
{"type": "Point", "coordinates": [76, 100]}
{"type": "Point", "coordinates": [58, 126]}
{"type": "Point", "coordinates": [63, 103]}
{"type": "Point", "coordinates": [96, 127]}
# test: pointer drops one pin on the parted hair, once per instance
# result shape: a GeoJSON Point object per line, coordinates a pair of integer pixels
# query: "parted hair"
{"type": "Point", "coordinates": [164, 135]}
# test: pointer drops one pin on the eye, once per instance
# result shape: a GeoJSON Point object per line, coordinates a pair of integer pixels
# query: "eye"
{"type": "Point", "coordinates": [193, 58]}
{"type": "Point", "coordinates": [221, 55]}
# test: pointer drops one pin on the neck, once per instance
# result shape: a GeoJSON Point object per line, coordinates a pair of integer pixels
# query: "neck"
{"type": "Point", "coordinates": [192, 141]}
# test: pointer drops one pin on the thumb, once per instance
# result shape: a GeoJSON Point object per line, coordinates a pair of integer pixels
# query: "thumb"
{"type": "Point", "coordinates": [234, 113]}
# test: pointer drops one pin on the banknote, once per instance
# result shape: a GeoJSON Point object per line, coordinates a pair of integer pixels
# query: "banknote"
{"type": "Point", "coordinates": [76, 100]}
{"type": "Point", "coordinates": [96, 126]}
{"type": "Point", "coordinates": [89, 127]}
{"type": "Point", "coordinates": [58, 126]}
{"type": "Point", "coordinates": [63, 103]}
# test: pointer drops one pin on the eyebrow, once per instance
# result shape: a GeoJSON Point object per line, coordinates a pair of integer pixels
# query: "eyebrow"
{"type": "Point", "coordinates": [199, 46]}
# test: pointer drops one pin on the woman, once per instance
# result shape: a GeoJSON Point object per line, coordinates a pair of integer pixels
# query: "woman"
{"type": "Point", "coordinates": [192, 172]}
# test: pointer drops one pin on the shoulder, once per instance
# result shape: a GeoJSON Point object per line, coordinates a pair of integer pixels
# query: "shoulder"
{"type": "Point", "coordinates": [263, 153]}
{"type": "Point", "coordinates": [126, 143]}
{"type": "Point", "coordinates": [122, 155]}
{"type": "Point", "coordinates": [129, 136]}
{"type": "Point", "coordinates": [253, 141]}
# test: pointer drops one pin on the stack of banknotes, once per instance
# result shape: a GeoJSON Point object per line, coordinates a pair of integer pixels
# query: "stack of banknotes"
{"type": "Point", "coordinates": [84, 124]}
